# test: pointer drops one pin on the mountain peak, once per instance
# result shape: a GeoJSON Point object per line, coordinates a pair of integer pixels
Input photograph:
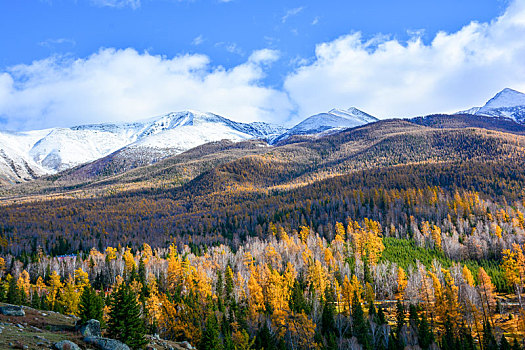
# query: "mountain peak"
{"type": "Point", "coordinates": [506, 98]}
{"type": "Point", "coordinates": [331, 121]}
{"type": "Point", "coordinates": [353, 113]}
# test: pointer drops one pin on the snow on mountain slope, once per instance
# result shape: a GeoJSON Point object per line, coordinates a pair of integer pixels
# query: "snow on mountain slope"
{"type": "Point", "coordinates": [15, 162]}
{"type": "Point", "coordinates": [64, 148]}
{"type": "Point", "coordinates": [27, 155]}
{"type": "Point", "coordinates": [507, 103]}
{"type": "Point", "coordinates": [334, 120]}
{"type": "Point", "coordinates": [472, 110]}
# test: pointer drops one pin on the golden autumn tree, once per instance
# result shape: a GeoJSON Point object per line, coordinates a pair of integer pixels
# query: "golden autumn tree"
{"type": "Point", "coordinates": [317, 277]}
{"type": "Point", "coordinates": [81, 278]}
{"type": "Point", "coordinates": [426, 293]}
{"type": "Point", "coordinates": [2, 267]}
{"type": "Point", "coordinates": [486, 292]}
{"type": "Point", "coordinates": [70, 296]}
{"type": "Point", "coordinates": [129, 261]}
{"type": "Point", "coordinates": [255, 298]}
{"type": "Point", "coordinates": [402, 281]}
{"type": "Point", "coordinates": [436, 237]}
{"type": "Point", "coordinates": [347, 295]}
{"type": "Point", "coordinates": [366, 241]}
{"type": "Point", "coordinates": [467, 276]}
{"type": "Point", "coordinates": [296, 329]}
{"type": "Point", "coordinates": [513, 264]}
{"type": "Point", "coordinates": [178, 321]}
{"type": "Point", "coordinates": [24, 284]}
{"type": "Point", "coordinates": [54, 287]}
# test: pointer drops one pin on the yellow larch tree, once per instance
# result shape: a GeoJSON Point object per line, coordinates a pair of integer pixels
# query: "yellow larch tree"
{"type": "Point", "coordinates": [70, 296]}
{"type": "Point", "coordinates": [81, 278]}
{"type": "Point", "coordinates": [402, 282]}
{"type": "Point", "coordinates": [486, 292]}
{"type": "Point", "coordinates": [55, 285]}
{"type": "Point", "coordinates": [129, 261]}
{"type": "Point", "coordinates": [467, 276]}
{"type": "Point", "coordinates": [367, 241]}
{"type": "Point", "coordinates": [255, 298]}
{"type": "Point", "coordinates": [513, 264]}
{"type": "Point", "coordinates": [317, 277]}
{"type": "Point", "coordinates": [347, 295]}
{"type": "Point", "coordinates": [24, 284]}
{"type": "Point", "coordinates": [111, 253]}
{"type": "Point", "coordinates": [436, 237]}
{"type": "Point", "coordinates": [2, 267]}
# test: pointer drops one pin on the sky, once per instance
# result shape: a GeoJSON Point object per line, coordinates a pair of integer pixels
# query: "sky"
{"type": "Point", "coordinates": [71, 62]}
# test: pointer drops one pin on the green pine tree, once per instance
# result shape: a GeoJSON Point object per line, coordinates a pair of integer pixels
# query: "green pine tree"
{"type": "Point", "coordinates": [504, 344]}
{"type": "Point", "coordinates": [91, 305]}
{"type": "Point", "coordinates": [489, 342]}
{"type": "Point", "coordinates": [426, 337]}
{"type": "Point", "coordinates": [14, 295]}
{"type": "Point", "coordinates": [327, 317]}
{"type": "Point", "coordinates": [448, 341]}
{"type": "Point", "coordinates": [381, 318]}
{"type": "Point", "coordinates": [361, 328]}
{"type": "Point", "coordinates": [125, 322]}
{"type": "Point", "coordinates": [516, 344]}
{"type": "Point", "coordinates": [211, 337]}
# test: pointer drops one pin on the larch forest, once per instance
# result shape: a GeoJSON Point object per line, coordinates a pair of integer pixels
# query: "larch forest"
{"type": "Point", "coordinates": [399, 234]}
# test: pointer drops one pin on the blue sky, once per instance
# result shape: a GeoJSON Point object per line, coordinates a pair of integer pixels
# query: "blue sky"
{"type": "Point", "coordinates": [250, 59]}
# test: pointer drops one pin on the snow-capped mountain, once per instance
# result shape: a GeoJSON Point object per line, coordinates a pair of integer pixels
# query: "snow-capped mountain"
{"type": "Point", "coordinates": [507, 103]}
{"type": "Point", "coordinates": [332, 121]}
{"type": "Point", "coordinates": [27, 155]}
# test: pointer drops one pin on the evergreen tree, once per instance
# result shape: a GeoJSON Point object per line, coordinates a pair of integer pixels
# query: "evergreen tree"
{"type": "Point", "coordinates": [413, 320]}
{"type": "Point", "coordinates": [125, 322]}
{"type": "Point", "coordinates": [361, 328]}
{"type": "Point", "coordinates": [381, 318]}
{"type": "Point", "coordinates": [426, 337]}
{"type": "Point", "coordinates": [228, 285]}
{"type": "Point", "coordinates": [327, 318]}
{"type": "Point", "coordinates": [504, 344]}
{"type": "Point", "coordinates": [489, 342]}
{"type": "Point", "coordinates": [297, 301]}
{"type": "Point", "coordinates": [264, 339]}
{"type": "Point", "coordinates": [211, 337]}
{"type": "Point", "coordinates": [448, 341]}
{"type": "Point", "coordinates": [465, 340]}
{"type": "Point", "coordinates": [91, 305]}
{"type": "Point", "coordinates": [14, 295]}
{"type": "Point", "coordinates": [516, 344]}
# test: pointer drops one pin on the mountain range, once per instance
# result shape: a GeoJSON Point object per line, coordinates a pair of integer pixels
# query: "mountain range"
{"type": "Point", "coordinates": [89, 151]}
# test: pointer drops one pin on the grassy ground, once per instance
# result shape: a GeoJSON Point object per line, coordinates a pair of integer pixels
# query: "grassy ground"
{"type": "Point", "coordinates": [42, 329]}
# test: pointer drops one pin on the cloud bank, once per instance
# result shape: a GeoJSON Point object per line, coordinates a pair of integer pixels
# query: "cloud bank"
{"type": "Point", "coordinates": [388, 78]}
{"type": "Point", "coordinates": [382, 76]}
{"type": "Point", "coordinates": [123, 85]}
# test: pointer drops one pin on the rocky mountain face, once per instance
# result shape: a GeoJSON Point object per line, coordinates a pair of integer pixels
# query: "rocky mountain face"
{"type": "Point", "coordinates": [507, 103]}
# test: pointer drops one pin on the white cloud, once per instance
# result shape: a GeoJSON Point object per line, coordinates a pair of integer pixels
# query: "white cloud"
{"type": "Point", "coordinates": [134, 4]}
{"type": "Point", "coordinates": [388, 78]}
{"type": "Point", "coordinates": [198, 40]}
{"type": "Point", "coordinates": [264, 56]}
{"type": "Point", "coordinates": [291, 13]}
{"type": "Point", "coordinates": [124, 85]}
{"type": "Point", "coordinates": [50, 43]}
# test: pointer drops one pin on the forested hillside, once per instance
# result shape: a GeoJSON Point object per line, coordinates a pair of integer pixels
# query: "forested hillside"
{"type": "Point", "coordinates": [397, 233]}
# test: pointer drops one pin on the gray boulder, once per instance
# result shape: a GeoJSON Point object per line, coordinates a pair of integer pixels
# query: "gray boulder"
{"type": "Point", "coordinates": [66, 345]}
{"type": "Point", "coordinates": [106, 343]}
{"type": "Point", "coordinates": [91, 328]}
{"type": "Point", "coordinates": [12, 310]}
{"type": "Point", "coordinates": [186, 345]}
